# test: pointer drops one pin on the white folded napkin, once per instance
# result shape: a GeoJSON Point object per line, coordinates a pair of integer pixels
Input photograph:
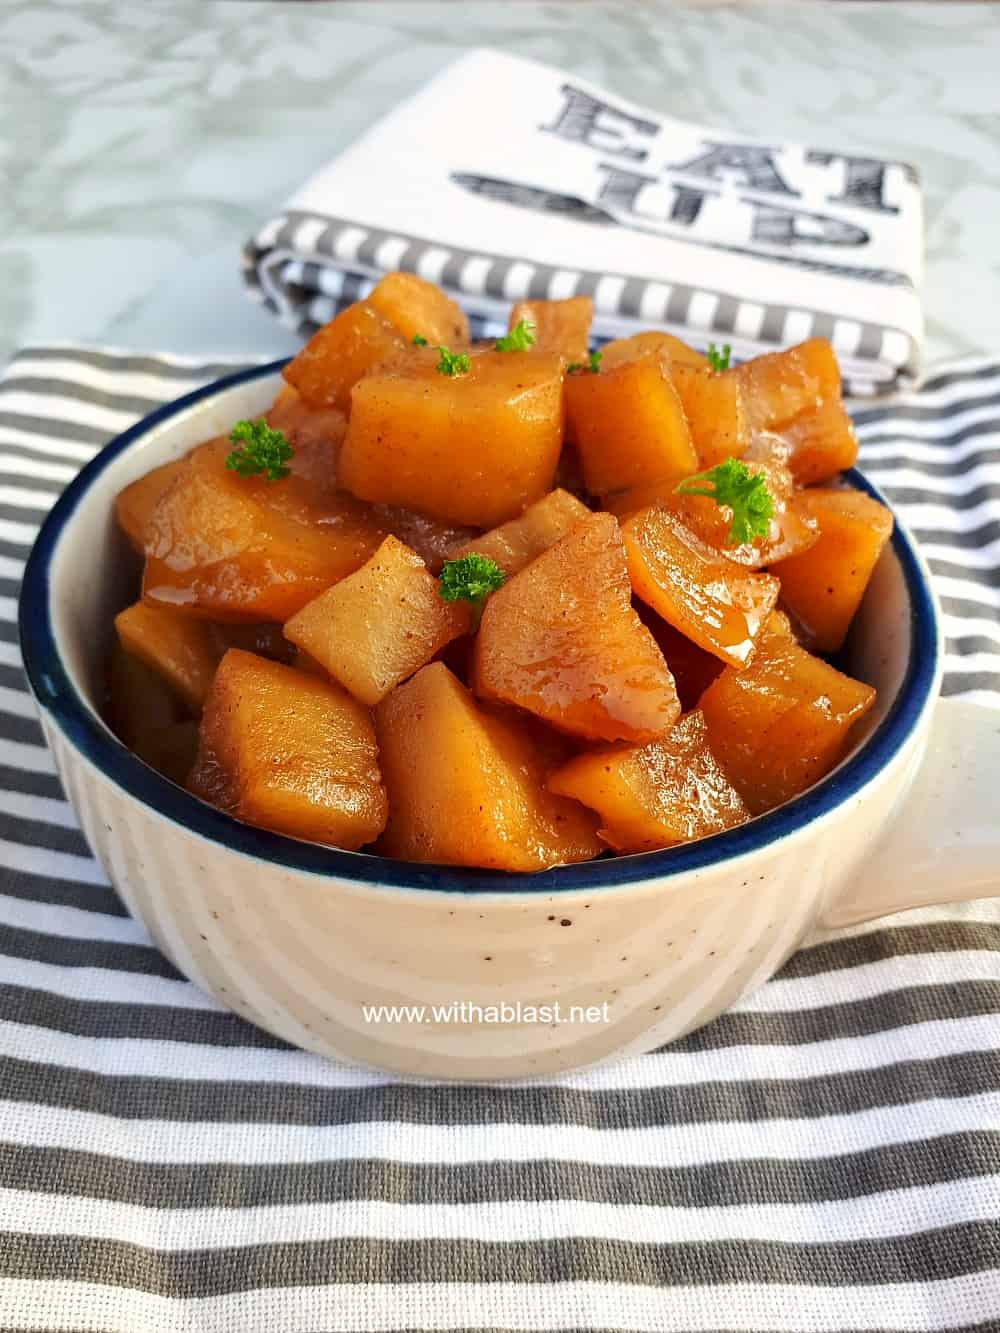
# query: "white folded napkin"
{"type": "Point", "coordinates": [503, 178]}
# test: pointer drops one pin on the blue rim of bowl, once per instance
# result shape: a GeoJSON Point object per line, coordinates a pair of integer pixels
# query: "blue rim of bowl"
{"type": "Point", "coordinates": [86, 733]}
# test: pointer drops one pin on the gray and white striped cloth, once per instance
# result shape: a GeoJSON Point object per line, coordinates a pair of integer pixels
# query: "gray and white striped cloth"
{"type": "Point", "coordinates": [824, 1158]}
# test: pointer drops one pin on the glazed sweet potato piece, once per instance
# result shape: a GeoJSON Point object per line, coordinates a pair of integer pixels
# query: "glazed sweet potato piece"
{"type": "Point", "coordinates": [415, 306]}
{"type": "Point", "coordinates": [716, 603]}
{"type": "Point", "coordinates": [716, 414]}
{"type": "Point", "coordinates": [289, 752]}
{"type": "Point", "coordinates": [135, 504]}
{"type": "Point", "coordinates": [333, 360]}
{"type": "Point", "coordinates": [654, 795]}
{"type": "Point", "coordinates": [562, 327]}
{"type": "Point", "coordinates": [223, 547]}
{"type": "Point", "coordinates": [629, 427]}
{"type": "Point", "coordinates": [149, 717]}
{"type": "Point", "coordinates": [791, 531]}
{"type": "Point", "coordinates": [315, 434]}
{"type": "Point", "coordinates": [379, 625]}
{"type": "Point", "coordinates": [515, 544]}
{"type": "Point", "coordinates": [471, 448]}
{"type": "Point", "coordinates": [692, 668]}
{"type": "Point", "coordinates": [783, 723]}
{"type": "Point", "coordinates": [824, 585]}
{"type": "Point", "coordinates": [467, 787]}
{"type": "Point", "coordinates": [560, 639]}
{"type": "Point", "coordinates": [180, 649]}
{"type": "Point", "coordinates": [796, 393]}
{"type": "Point", "coordinates": [652, 345]}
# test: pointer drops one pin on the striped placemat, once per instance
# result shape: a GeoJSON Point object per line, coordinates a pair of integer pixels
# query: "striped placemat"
{"type": "Point", "coordinates": [824, 1158]}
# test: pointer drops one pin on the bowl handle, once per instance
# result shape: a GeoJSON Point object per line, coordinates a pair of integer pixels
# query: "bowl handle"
{"type": "Point", "coordinates": [943, 844]}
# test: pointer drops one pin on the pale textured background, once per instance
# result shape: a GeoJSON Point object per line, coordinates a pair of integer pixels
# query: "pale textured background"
{"type": "Point", "coordinates": [141, 143]}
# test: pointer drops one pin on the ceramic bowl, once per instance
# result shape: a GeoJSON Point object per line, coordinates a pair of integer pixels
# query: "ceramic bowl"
{"type": "Point", "coordinates": [443, 972]}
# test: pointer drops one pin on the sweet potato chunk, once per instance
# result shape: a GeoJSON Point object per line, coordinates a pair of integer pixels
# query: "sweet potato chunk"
{"type": "Point", "coordinates": [416, 306]}
{"type": "Point", "coordinates": [562, 327]}
{"type": "Point", "coordinates": [379, 625]}
{"type": "Point", "coordinates": [135, 504]}
{"type": "Point", "coordinates": [149, 717]}
{"type": "Point", "coordinates": [314, 433]}
{"type": "Point", "coordinates": [221, 546]}
{"type": "Point", "coordinates": [289, 752]}
{"type": "Point", "coordinates": [652, 345]}
{"type": "Point", "coordinates": [692, 668]}
{"type": "Point", "coordinates": [715, 602]}
{"type": "Point", "coordinates": [561, 640]}
{"type": "Point", "coordinates": [796, 393]}
{"type": "Point", "coordinates": [467, 787]}
{"type": "Point", "coordinates": [333, 360]}
{"type": "Point", "coordinates": [783, 723]}
{"type": "Point", "coordinates": [178, 648]}
{"type": "Point", "coordinates": [654, 795]}
{"type": "Point", "coordinates": [791, 529]}
{"type": "Point", "coordinates": [471, 448]}
{"type": "Point", "coordinates": [713, 405]}
{"type": "Point", "coordinates": [629, 427]}
{"type": "Point", "coordinates": [515, 544]}
{"type": "Point", "coordinates": [824, 585]}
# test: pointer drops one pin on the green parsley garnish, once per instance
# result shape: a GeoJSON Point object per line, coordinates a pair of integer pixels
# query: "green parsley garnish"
{"type": "Point", "coordinates": [520, 338]}
{"type": "Point", "coordinates": [453, 363]}
{"type": "Point", "coordinates": [261, 450]}
{"type": "Point", "coordinates": [470, 578]}
{"type": "Point", "coordinates": [719, 360]}
{"type": "Point", "coordinates": [745, 492]}
{"type": "Point", "coordinates": [418, 340]}
{"type": "Point", "coordinates": [593, 364]}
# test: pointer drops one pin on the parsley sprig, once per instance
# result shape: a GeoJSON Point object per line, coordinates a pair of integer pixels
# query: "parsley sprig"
{"type": "Point", "coordinates": [732, 483]}
{"type": "Point", "coordinates": [520, 338]}
{"type": "Point", "coordinates": [593, 364]}
{"type": "Point", "coordinates": [719, 360]}
{"type": "Point", "coordinates": [471, 578]}
{"type": "Point", "coordinates": [453, 363]}
{"type": "Point", "coordinates": [418, 340]}
{"type": "Point", "coordinates": [261, 449]}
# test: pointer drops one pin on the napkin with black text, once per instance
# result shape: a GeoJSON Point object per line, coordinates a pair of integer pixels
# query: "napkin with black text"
{"type": "Point", "coordinates": [503, 178]}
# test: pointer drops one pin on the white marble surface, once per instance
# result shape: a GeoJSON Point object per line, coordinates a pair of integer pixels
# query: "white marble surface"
{"type": "Point", "coordinates": [141, 143]}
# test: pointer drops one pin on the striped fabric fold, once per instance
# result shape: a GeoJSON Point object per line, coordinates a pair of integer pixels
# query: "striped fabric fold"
{"type": "Point", "coordinates": [825, 1158]}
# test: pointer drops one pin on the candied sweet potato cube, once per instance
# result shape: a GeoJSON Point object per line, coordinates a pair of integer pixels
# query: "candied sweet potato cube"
{"type": "Point", "coordinates": [783, 723]}
{"type": "Point", "coordinates": [629, 427]}
{"type": "Point", "coordinates": [796, 394]}
{"type": "Point", "coordinates": [713, 404]}
{"type": "Point", "coordinates": [314, 433]}
{"type": "Point", "coordinates": [652, 345]}
{"type": "Point", "coordinates": [289, 752]}
{"type": "Point", "coordinates": [220, 546]}
{"type": "Point", "coordinates": [416, 306]}
{"type": "Point", "coordinates": [179, 648]}
{"type": "Point", "coordinates": [561, 640]}
{"type": "Point", "coordinates": [562, 327]}
{"type": "Point", "coordinates": [471, 448]}
{"type": "Point", "coordinates": [715, 602]}
{"type": "Point", "coordinates": [692, 668]}
{"type": "Point", "coordinates": [380, 624]}
{"type": "Point", "coordinates": [333, 360]}
{"type": "Point", "coordinates": [135, 504]}
{"type": "Point", "coordinates": [467, 787]}
{"type": "Point", "coordinates": [654, 795]}
{"type": "Point", "coordinates": [516, 543]}
{"type": "Point", "coordinates": [823, 586]}
{"type": "Point", "coordinates": [148, 717]}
